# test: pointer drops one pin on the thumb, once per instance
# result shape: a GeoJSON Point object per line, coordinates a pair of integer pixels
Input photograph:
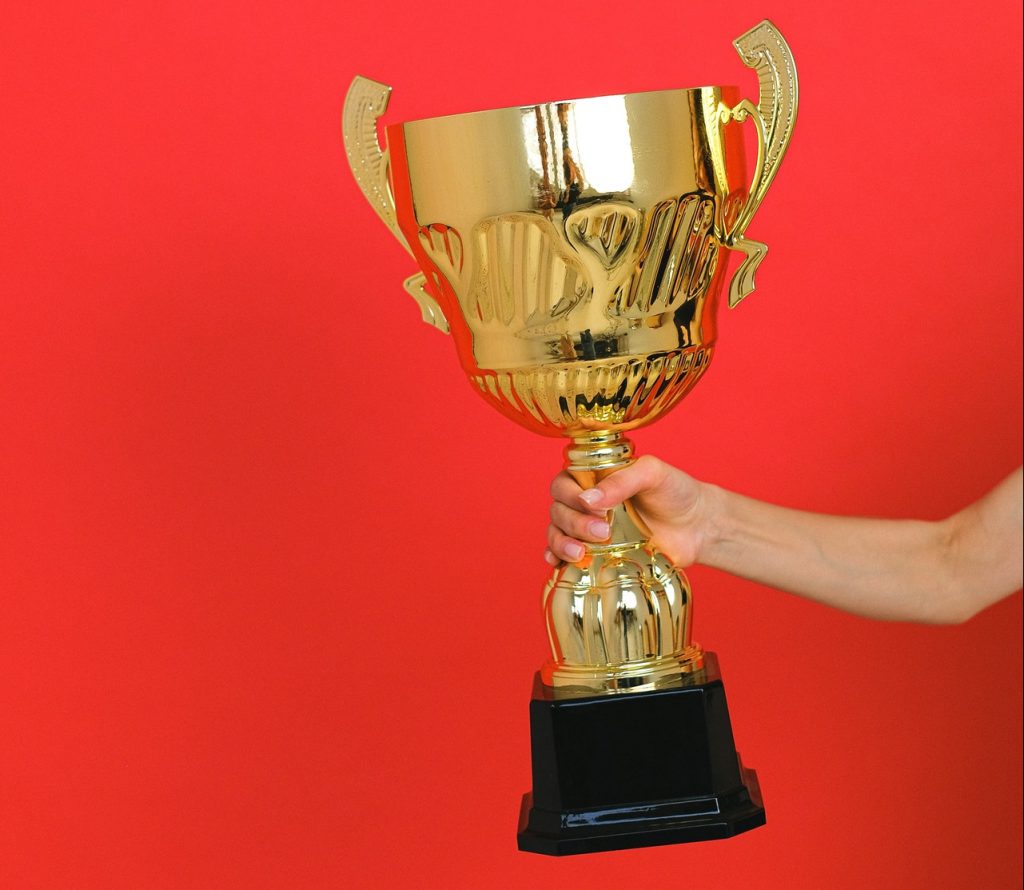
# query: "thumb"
{"type": "Point", "coordinates": [642, 475]}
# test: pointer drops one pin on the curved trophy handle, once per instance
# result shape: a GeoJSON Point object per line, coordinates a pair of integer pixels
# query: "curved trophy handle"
{"type": "Point", "coordinates": [365, 102]}
{"type": "Point", "coordinates": [764, 49]}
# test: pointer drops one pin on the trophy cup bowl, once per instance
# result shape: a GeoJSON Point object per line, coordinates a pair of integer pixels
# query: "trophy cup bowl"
{"type": "Point", "coordinates": [576, 252]}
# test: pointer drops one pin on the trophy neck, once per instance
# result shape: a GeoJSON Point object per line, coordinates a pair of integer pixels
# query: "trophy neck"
{"type": "Point", "coordinates": [600, 453]}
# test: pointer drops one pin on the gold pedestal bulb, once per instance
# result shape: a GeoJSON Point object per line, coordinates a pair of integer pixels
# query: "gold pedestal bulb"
{"type": "Point", "coordinates": [575, 252]}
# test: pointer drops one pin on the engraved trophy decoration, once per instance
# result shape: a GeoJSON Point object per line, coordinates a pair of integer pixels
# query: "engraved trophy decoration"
{"type": "Point", "coordinates": [576, 251]}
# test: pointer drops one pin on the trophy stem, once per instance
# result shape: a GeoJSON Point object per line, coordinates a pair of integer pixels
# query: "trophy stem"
{"type": "Point", "coordinates": [619, 618]}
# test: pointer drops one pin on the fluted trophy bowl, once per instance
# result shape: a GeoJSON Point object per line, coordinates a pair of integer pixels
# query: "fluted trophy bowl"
{"type": "Point", "coordinates": [577, 252]}
{"type": "Point", "coordinates": [575, 248]}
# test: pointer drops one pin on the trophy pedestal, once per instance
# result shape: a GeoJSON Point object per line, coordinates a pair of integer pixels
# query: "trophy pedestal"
{"type": "Point", "coordinates": [640, 769]}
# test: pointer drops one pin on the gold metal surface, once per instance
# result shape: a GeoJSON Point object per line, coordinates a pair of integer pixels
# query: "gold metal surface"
{"type": "Point", "coordinates": [763, 49]}
{"type": "Point", "coordinates": [619, 619]}
{"type": "Point", "coordinates": [576, 251]}
{"type": "Point", "coordinates": [366, 101]}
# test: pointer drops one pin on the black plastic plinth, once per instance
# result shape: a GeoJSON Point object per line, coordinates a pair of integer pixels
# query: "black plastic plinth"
{"type": "Point", "coordinates": [635, 770]}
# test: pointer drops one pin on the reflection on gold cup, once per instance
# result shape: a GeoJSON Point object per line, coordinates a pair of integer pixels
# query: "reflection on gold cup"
{"type": "Point", "coordinates": [576, 252]}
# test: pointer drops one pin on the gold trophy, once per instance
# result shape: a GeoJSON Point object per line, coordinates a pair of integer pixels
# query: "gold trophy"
{"type": "Point", "coordinates": [576, 251]}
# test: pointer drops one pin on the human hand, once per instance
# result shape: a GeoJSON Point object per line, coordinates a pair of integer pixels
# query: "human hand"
{"type": "Point", "coordinates": [675, 507]}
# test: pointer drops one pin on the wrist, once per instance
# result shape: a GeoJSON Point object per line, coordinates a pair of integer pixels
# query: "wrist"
{"type": "Point", "coordinates": [711, 524]}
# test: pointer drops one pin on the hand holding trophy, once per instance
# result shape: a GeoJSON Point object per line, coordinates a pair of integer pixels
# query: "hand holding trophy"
{"type": "Point", "coordinates": [576, 253]}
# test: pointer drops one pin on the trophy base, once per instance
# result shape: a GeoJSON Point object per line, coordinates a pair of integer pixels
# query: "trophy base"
{"type": "Point", "coordinates": [612, 772]}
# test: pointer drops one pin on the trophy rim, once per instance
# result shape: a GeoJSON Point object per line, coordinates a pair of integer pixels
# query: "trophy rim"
{"type": "Point", "coordinates": [528, 108]}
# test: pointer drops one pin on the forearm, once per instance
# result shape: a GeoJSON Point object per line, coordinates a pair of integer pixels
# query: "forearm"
{"type": "Point", "coordinates": [900, 570]}
{"type": "Point", "coordinates": [885, 569]}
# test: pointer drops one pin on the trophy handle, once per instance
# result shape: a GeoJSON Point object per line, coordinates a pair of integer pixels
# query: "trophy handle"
{"type": "Point", "coordinates": [764, 49]}
{"type": "Point", "coordinates": [365, 102]}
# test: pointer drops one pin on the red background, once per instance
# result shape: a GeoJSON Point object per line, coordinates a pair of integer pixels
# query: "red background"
{"type": "Point", "coordinates": [271, 571]}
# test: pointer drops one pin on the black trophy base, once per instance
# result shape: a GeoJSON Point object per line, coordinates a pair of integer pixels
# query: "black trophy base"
{"type": "Point", "coordinates": [640, 769]}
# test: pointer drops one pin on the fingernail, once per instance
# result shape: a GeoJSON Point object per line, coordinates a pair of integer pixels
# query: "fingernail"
{"type": "Point", "coordinates": [599, 529]}
{"type": "Point", "coordinates": [591, 496]}
{"type": "Point", "coordinates": [575, 551]}
{"type": "Point", "coordinates": [550, 558]}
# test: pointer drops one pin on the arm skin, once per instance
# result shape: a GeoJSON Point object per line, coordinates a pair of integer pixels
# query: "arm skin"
{"type": "Point", "coordinates": [900, 570]}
